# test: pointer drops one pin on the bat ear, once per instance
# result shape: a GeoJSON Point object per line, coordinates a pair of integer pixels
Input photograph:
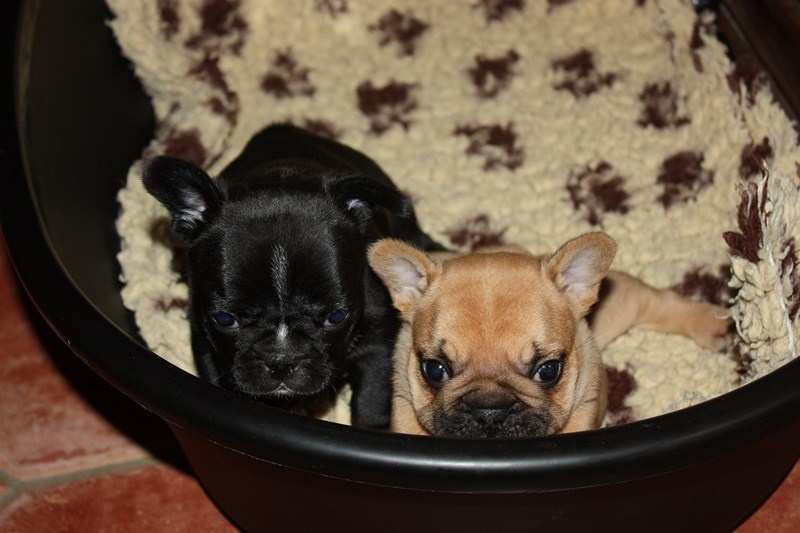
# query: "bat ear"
{"type": "Point", "coordinates": [190, 195]}
{"type": "Point", "coordinates": [362, 194]}
{"type": "Point", "coordinates": [578, 267]}
{"type": "Point", "coordinates": [406, 271]}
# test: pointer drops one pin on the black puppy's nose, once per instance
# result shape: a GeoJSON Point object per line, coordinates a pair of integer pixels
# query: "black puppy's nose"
{"type": "Point", "coordinates": [280, 369]}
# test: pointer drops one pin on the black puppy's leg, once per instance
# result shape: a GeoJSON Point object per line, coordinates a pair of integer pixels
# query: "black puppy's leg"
{"type": "Point", "coordinates": [371, 403]}
{"type": "Point", "coordinates": [206, 368]}
{"type": "Point", "coordinates": [204, 360]}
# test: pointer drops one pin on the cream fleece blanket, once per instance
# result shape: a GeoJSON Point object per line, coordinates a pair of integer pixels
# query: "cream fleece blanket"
{"type": "Point", "coordinates": [526, 121]}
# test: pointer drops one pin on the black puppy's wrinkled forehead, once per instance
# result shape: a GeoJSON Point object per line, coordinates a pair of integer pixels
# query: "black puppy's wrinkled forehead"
{"type": "Point", "coordinates": [292, 250]}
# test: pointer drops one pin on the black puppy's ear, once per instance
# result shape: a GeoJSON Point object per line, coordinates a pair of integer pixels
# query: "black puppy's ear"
{"type": "Point", "coordinates": [190, 195]}
{"type": "Point", "coordinates": [360, 193]}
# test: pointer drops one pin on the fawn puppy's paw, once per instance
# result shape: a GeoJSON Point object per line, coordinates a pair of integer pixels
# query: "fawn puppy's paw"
{"type": "Point", "coordinates": [711, 326]}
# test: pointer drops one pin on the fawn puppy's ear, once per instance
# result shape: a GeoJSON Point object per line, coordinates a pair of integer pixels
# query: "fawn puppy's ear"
{"type": "Point", "coordinates": [405, 270]}
{"type": "Point", "coordinates": [578, 267]}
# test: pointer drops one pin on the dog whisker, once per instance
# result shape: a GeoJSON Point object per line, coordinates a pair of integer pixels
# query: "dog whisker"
{"type": "Point", "coordinates": [218, 379]}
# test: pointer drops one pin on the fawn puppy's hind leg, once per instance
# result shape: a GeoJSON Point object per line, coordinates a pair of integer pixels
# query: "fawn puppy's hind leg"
{"type": "Point", "coordinates": [626, 301]}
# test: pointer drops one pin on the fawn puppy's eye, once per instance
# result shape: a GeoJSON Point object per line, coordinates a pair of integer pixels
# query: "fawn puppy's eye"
{"type": "Point", "coordinates": [435, 372]}
{"type": "Point", "coordinates": [548, 373]}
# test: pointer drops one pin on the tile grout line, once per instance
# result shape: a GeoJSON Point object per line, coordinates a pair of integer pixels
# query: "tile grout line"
{"type": "Point", "coordinates": [18, 486]}
{"type": "Point", "coordinates": [13, 488]}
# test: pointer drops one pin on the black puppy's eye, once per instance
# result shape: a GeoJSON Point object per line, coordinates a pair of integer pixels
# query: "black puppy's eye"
{"type": "Point", "coordinates": [435, 372]}
{"type": "Point", "coordinates": [336, 318]}
{"type": "Point", "coordinates": [225, 320]}
{"type": "Point", "coordinates": [548, 372]}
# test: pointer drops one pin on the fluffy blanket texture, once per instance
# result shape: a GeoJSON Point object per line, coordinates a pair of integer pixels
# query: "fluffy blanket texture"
{"type": "Point", "coordinates": [505, 120]}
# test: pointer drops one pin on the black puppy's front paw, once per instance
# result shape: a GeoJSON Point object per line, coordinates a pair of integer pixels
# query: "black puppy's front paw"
{"type": "Point", "coordinates": [371, 404]}
{"type": "Point", "coordinates": [368, 416]}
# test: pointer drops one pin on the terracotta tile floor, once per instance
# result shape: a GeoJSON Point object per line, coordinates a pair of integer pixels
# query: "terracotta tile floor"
{"type": "Point", "coordinates": [76, 455]}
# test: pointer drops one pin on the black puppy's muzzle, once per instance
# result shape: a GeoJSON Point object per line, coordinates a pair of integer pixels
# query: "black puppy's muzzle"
{"type": "Point", "coordinates": [281, 372]}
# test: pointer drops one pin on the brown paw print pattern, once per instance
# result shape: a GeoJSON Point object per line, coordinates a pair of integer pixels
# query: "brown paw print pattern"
{"type": "Point", "coordinates": [754, 159]}
{"type": "Point", "coordinates": [286, 78]}
{"type": "Point", "coordinates": [222, 27]}
{"type": "Point", "coordinates": [495, 144]}
{"type": "Point", "coordinates": [498, 10]}
{"type": "Point", "coordinates": [222, 31]}
{"type": "Point", "coordinates": [388, 105]}
{"type": "Point", "coordinates": [744, 361]}
{"type": "Point", "coordinates": [321, 127]}
{"type": "Point", "coordinates": [493, 74]}
{"type": "Point", "coordinates": [747, 73]}
{"type": "Point", "coordinates": [552, 4]}
{"type": "Point", "coordinates": [401, 29]}
{"type": "Point", "coordinates": [186, 145]}
{"type": "Point", "coordinates": [701, 283]}
{"type": "Point", "coordinates": [621, 384]}
{"type": "Point", "coordinates": [169, 18]}
{"type": "Point", "coordinates": [226, 103]}
{"type": "Point", "coordinates": [580, 75]}
{"type": "Point", "coordinates": [176, 142]}
{"type": "Point", "coordinates": [683, 178]}
{"type": "Point", "coordinates": [660, 107]}
{"type": "Point", "coordinates": [597, 190]}
{"type": "Point", "coordinates": [332, 8]}
{"type": "Point", "coordinates": [702, 30]}
{"type": "Point", "coordinates": [476, 233]}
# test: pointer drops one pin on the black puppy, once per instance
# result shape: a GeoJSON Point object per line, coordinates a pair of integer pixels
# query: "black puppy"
{"type": "Point", "coordinates": [283, 306]}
